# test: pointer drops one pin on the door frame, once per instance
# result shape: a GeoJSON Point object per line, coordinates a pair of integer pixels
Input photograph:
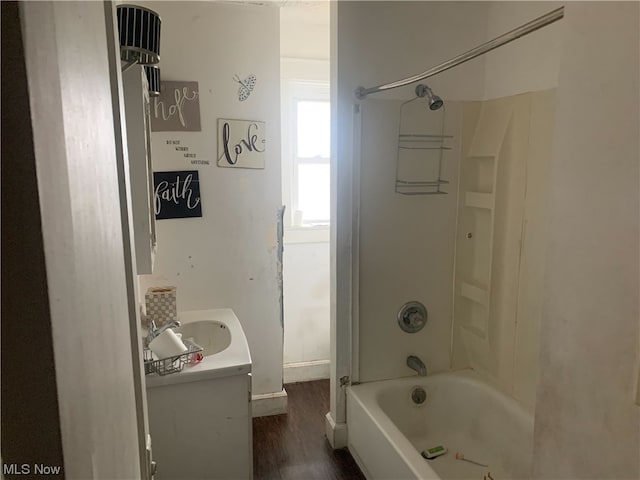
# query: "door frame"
{"type": "Point", "coordinates": [74, 80]}
{"type": "Point", "coordinates": [344, 277]}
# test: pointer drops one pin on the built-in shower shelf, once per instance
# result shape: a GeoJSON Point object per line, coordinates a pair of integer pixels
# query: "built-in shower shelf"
{"type": "Point", "coordinates": [479, 336]}
{"type": "Point", "coordinates": [475, 294]}
{"type": "Point", "coordinates": [479, 200]}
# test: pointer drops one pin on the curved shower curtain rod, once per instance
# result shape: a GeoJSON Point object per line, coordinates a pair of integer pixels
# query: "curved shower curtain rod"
{"type": "Point", "coordinates": [503, 39]}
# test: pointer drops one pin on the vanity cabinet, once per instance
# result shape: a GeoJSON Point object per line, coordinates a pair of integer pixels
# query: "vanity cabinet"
{"type": "Point", "coordinates": [141, 193]}
{"type": "Point", "coordinates": [202, 429]}
{"type": "Point", "coordinates": [200, 419]}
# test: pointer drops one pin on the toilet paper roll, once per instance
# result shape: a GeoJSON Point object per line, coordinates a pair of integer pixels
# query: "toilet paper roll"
{"type": "Point", "coordinates": [167, 344]}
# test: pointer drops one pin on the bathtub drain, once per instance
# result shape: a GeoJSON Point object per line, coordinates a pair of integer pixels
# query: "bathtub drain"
{"type": "Point", "coordinates": [418, 395]}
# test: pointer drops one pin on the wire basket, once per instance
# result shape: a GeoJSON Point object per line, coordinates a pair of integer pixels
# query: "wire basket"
{"type": "Point", "coordinates": [165, 366]}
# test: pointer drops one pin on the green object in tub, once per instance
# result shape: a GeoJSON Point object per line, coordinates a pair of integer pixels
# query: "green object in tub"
{"type": "Point", "coordinates": [434, 452]}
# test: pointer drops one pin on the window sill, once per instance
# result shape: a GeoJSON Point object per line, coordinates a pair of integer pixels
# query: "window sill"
{"type": "Point", "coordinates": [315, 234]}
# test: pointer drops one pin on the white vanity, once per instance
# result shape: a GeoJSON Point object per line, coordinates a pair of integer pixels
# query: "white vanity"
{"type": "Point", "coordinates": [200, 418]}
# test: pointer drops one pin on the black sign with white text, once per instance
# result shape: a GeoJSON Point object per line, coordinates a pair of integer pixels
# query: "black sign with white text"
{"type": "Point", "coordinates": [177, 194]}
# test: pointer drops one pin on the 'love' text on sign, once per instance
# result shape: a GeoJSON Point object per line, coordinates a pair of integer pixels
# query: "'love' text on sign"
{"type": "Point", "coordinates": [241, 143]}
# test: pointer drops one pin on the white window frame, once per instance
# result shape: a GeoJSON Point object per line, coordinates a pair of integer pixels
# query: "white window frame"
{"type": "Point", "coordinates": [306, 92]}
{"type": "Point", "coordinates": [301, 80]}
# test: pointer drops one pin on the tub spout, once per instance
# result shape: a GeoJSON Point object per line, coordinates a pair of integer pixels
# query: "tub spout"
{"type": "Point", "coordinates": [416, 364]}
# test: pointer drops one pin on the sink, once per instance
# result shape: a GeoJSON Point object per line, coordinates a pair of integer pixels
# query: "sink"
{"type": "Point", "coordinates": [211, 335]}
{"type": "Point", "coordinates": [225, 348]}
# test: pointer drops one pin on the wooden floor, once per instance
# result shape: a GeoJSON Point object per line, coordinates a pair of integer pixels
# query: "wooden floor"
{"type": "Point", "coordinates": [293, 446]}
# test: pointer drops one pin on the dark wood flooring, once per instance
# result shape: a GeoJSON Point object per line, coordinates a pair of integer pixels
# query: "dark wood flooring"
{"type": "Point", "coordinates": [294, 446]}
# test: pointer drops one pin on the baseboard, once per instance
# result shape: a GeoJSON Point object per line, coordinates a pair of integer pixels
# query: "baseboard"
{"type": "Point", "coordinates": [306, 371]}
{"type": "Point", "coordinates": [267, 404]}
{"type": "Point", "coordinates": [336, 432]}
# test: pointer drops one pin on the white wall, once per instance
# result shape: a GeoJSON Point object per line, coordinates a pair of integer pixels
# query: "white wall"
{"type": "Point", "coordinates": [306, 302]}
{"type": "Point", "coordinates": [304, 50]}
{"type": "Point", "coordinates": [227, 258]}
{"type": "Point", "coordinates": [304, 30]}
{"type": "Point", "coordinates": [528, 64]}
{"type": "Point", "coordinates": [385, 41]}
{"type": "Point", "coordinates": [587, 421]}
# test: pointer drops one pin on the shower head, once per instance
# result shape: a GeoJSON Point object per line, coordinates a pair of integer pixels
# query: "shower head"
{"type": "Point", "coordinates": [435, 102]}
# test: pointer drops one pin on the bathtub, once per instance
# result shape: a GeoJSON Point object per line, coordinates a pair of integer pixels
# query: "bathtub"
{"type": "Point", "coordinates": [387, 430]}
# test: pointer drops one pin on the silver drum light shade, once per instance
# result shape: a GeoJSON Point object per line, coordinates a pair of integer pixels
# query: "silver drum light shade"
{"type": "Point", "coordinates": [139, 30]}
{"type": "Point", "coordinates": [153, 78]}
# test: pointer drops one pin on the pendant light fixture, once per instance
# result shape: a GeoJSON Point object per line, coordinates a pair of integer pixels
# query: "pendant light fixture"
{"type": "Point", "coordinates": [153, 78]}
{"type": "Point", "coordinates": [139, 30]}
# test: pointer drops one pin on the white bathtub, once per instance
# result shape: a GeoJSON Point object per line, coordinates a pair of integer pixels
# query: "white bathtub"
{"type": "Point", "coordinates": [387, 430]}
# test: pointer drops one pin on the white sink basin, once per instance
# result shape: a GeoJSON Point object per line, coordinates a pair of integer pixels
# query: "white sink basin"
{"type": "Point", "coordinates": [211, 335]}
{"type": "Point", "coordinates": [226, 351]}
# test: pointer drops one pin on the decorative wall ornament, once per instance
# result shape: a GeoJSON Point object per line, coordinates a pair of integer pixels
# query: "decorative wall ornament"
{"type": "Point", "coordinates": [246, 86]}
{"type": "Point", "coordinates": [177, 194]}
{"type": "Point", "coordinates": [241, 143]}
{"type": "Point", "coordinates": [177, 109]}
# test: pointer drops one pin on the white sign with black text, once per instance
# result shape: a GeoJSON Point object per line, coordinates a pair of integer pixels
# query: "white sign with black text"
{"type": "Point", "coordinates": [241, 143]}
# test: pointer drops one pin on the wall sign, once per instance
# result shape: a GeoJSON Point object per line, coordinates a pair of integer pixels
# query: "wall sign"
{"type": "Point", "coordinates": [177, 194]}
{"type": "Point", "coordinates": [177, 109]}
{"type": "Point", "coordinates": [241, 143]}
{"type": "Point", "coordinates": [183, 149]}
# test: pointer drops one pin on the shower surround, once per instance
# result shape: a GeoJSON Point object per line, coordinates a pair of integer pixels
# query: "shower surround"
{"type": "Point", "coordinates": [482, 266]}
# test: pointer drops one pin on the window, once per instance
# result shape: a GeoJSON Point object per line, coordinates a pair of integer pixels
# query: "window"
{"type": "Point", "coordinates": [311, 162]}
{"type": "Point", "coordinates": [306, 154]}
